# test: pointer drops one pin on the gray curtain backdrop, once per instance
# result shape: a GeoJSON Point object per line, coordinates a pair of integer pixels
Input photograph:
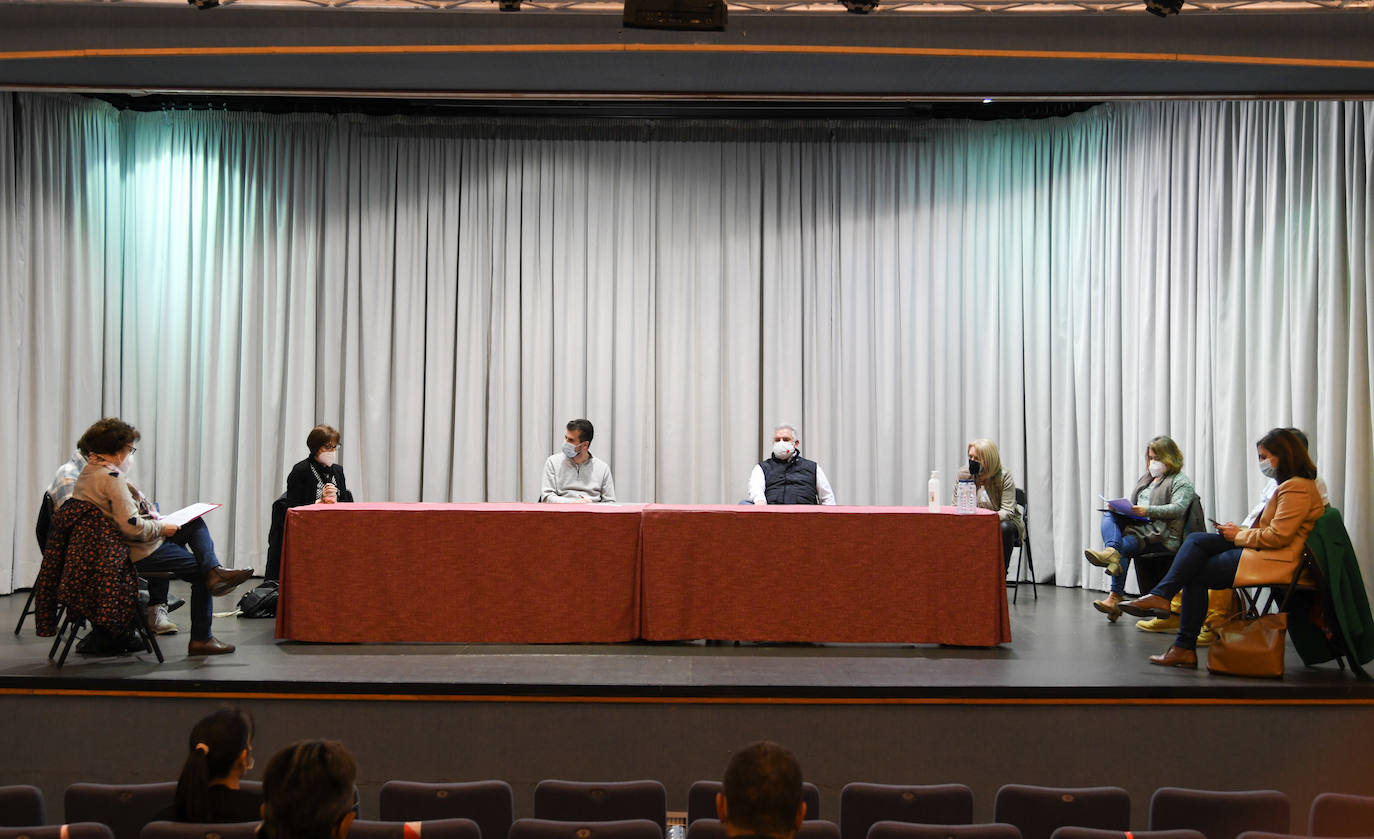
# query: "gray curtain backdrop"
{"type": "Point", "coordinates": [450, 293]}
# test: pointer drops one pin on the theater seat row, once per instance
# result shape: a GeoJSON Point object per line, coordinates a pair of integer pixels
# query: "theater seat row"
{"type": "Point", "coordinates": [635, 809]}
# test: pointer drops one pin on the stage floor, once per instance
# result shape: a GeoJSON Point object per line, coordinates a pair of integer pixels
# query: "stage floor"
{"type": "Point", "coordinates": [1061, 649]}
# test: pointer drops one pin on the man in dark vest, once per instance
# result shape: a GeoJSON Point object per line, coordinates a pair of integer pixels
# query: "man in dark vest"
{"type": "Point", "coordinates": [761, 793]}
{"type": "Point", "coordinates": [786, 477]}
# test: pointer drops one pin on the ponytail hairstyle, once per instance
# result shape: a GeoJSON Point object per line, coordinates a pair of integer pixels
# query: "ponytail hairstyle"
{"type": "Point", "coordinates": [308, 791]}
{"type": "Point", "coordinates": [215, 745]}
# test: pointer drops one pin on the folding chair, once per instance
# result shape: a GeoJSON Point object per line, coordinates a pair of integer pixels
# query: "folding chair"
{"type": "Point", "coordinates": [1024, 559]}
{"type": "Point", "coordinates": [45, 509]}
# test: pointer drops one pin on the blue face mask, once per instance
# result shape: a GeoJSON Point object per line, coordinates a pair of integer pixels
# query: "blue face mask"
{"type": "Point", "coordinates": [1268, 469]}
{"type": "Point", "coordinates": [569, 450]}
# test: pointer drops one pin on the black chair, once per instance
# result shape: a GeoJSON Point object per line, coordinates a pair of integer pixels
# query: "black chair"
{"type": "Point", "coordinates": [1338, 814]}
{"type": "Point", "coordinates": [45, 508]}
{"type": "Point", "coordinates": [275, 533]}
{"type": "Point", "coordinates": [595, 801]}
{"type": "Point", "coordinates": [429, 829]}
{"type": "Point", "coordinates": [21, 806]}
{"type": "Point", "coordinates": [490, 804]}
{"type": "Point", "coordinates": [187, 830]}
{"type": "Point", "coordinates": [1151, 565]}
{"type": "Point", "coordinates": [1095, 833]}
{"type": "Point", "coordinates": [1038, 811]}
{"type": "Point", "coordinates": [124, 808]}
{"type": "Point", "coordinates": [1219, 815]}
{"type": "Point", "coordinates": [863, 805]}
{"type": "Point", "coordinates": [903, 830]}
{"type": "Point", "coordinates": [74, 830]}
{"type": "Point", "coordinates": [72, 624]}
{"type": "Point", "coordinates": [701, 800]}
{"type": "Point", "coordinates": [814, 829]}
{"type": "Point", "coordinates": [551, 829]}
{"type": "Point", "coordinates": [1024, 559]}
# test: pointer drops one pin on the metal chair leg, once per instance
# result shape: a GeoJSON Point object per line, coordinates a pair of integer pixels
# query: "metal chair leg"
{"type": "Point", "coordinates": [28, 610]}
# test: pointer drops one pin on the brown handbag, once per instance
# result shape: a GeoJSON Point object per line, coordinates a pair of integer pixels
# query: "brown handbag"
{"type": "Point", "coordinates": [1250, 647]}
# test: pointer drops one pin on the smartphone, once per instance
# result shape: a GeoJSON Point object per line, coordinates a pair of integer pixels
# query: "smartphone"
{"type": "Point", "coordinates": [1215, 523]}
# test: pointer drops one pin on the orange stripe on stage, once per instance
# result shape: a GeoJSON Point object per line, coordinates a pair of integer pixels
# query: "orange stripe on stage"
{"type": "Point", "coordinates": [703, 49]}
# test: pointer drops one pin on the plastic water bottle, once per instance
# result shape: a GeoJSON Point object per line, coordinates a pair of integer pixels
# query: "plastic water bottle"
{"type": "Point", "coordinates": [677, 831]}
{"type": "Point", "coordinates": [965, 494]}
{"type": "Point", "coordinates": [934, 488]}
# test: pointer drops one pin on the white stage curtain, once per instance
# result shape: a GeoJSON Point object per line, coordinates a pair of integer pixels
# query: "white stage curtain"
{"type": "Point", "coordinates": [450, 293]}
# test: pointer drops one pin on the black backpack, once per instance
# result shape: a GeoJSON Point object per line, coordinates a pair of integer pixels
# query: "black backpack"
{"type": "Point", "coordinates": [261, 602]}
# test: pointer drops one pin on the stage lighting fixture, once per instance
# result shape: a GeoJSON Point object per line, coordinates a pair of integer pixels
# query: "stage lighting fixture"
{"type": "Point", "coordinates": [1163, 8]}
{"type": "Point", "coordinates": [508, 5]}
{"type": "Point", "coordinates": [702, 15]}
{"type": "Point", "coordinates": [860, 7]}
{"type": "Point", "coordinates": [203, 4]}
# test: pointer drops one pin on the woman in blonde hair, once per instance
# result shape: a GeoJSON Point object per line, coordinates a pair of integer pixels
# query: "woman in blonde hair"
{"type": "Point", "coordinates": [996, 491]}
{"type": "Point", "coordinates": [1161, 498]}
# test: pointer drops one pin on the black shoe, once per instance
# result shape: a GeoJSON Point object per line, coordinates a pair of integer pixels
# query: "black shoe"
{"type": "Point", "coordinates": [174, 603]}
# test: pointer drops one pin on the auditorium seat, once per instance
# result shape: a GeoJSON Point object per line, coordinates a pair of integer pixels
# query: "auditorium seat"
{"type": "Point", "coordinates": [861, 805]}
{"type": "Point", "coordinates": [906, 830]}
{"type": "Point", "coordinates": [553, 829]}
{"type": "Point", "coordinates": [489, 803]}
{"type": "Point", "coordinates": [1096, 833]}
{"type": "Point", "coordinates": [596, 801]}
{"type": "Point", "coordinates": [713, 829]}
{"type": "Point", "coordinates": [124, 808]}
{"type": "Point", "coordinates": [188, 830]}
{"type": "Point", "coordinates": [1219, 815]}
{"type": "Point", "coordinates": [1037, 811]}
{"type": "Point", "coordinates": [701, 800]}
{"type": "Point", "coordinates": [1264, 834]}
{"type": "Point", "coordinates": [75, 830]}
{"type": "Point", "coordinates": [21, 806]}
{"type": "Point", "coordinates": [1338, 814]}
{"type": "Point", "coordinates": [429, 829]}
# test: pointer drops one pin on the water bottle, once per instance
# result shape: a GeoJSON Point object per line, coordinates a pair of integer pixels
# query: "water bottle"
{"type": "Point", "coordinates": [965, 494]}
{"type": "Point", "coordinates": [934, 488]}
{"type": "Point", "coordinates": [677, 831]}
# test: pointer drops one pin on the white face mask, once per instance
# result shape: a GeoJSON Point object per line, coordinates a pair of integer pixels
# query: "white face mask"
{"type": "Point", "coordinates": [1268, 469]}
{"type": "Point", "coordinates": [327, 458]}
{"type": "Point", "coordinates": [570, 450]}
{"type": "Point", "coordinates": [1157, 468]}
{"type": "Point", "coordinates": [784, 449]}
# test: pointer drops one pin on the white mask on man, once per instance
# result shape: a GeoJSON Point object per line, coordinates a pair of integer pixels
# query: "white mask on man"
{"type": "Point", "coordinates": [1157, 468]}
{"type": "Point", "coordinates": [327, 458]}
{"type": "Point", "coordinates": [784, 449]}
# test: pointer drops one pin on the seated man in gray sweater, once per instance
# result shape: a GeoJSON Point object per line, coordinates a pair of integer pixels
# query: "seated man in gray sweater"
{"type": "Point", "coordinates": [574, 476]}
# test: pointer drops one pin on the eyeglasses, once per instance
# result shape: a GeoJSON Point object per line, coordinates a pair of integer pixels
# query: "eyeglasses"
{"type": "Point", "coordinates": [329, 447]}
{"type": "Point", "coordinates": [132, 449]}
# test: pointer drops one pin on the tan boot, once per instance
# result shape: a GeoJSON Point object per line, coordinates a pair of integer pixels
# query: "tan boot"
{"type": "Point", "coordinates": [1169, 624]}
{"type": "Point", "coordinates": [1206, 636]}
{"type": "Point", "coordinates": [1110, 607]}
{"type": "Point", "coordinates": [1108, 558]}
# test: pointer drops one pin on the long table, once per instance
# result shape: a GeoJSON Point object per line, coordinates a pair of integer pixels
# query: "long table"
{"type": "Point", "coordinates": [497, 573]}
{"type": "Point", "coordinates": [566, 573]}
{"type": "Point", "coordinates": [827, 574]}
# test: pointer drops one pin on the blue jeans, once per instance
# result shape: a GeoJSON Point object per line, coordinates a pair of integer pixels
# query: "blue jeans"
{"type": "Point", "coordinates": [190, 565]}
{"type": "Point", "coordinates": [1205, 561]}
{"type": "Point", "coordinates": [1114, 535]}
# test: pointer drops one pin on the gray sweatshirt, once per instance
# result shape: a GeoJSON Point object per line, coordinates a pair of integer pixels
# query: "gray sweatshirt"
{"type": "Point", "coordinates": [566, 482]}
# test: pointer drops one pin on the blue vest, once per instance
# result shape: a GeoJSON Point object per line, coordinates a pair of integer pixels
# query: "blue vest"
{"type": "Point", "coordinates": [790, 482]}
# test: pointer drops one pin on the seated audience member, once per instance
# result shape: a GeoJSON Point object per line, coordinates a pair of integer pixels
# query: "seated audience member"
{"type": "Point", "coordinates": [574, 475]}
{"type": "Point", "coordinates": [1267, 552]}
{"type": "Point", "coordinates": [155, 545]}
{"type": "Point", "coordinates": [318, 479]}
{"type": "Point", "coordinates": [65, 480]}
{"type": "Point", "coordinates": [221, 751]}
{"type": "Point", "coordinates": [996, 491]}
{"type": "Point", "coordinates": [761, 793]}
{"type": "Point", "coordinates": [308, 792]}
{"type": "Point", "coordinates": [1161, 495]}
{"type": "Point", "coordinates": [785, 477]}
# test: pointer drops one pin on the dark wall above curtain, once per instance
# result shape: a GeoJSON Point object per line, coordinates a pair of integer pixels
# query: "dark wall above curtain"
{"type": "Point", "coordinates": [477, 54]}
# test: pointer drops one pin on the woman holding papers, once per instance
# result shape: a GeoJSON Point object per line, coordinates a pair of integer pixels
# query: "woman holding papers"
{"type": "Point", "coordinates": [155, 545]}
{"type": "Point", "coordinates": [1151, 516]}
{"type": "Point", "coordinates": [1269, 551]}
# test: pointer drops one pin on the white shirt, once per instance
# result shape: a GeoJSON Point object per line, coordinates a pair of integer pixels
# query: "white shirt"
{"type": "Point", "coordinates": [1269, 490]}
{"type": "Point", "coordinates": [823, 490]}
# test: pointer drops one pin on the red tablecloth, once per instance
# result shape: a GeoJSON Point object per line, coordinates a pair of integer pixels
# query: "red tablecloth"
{"type": "Point", "coordinates": [826, 574]}
{"type": "Point", "coordinates": [503, 573]}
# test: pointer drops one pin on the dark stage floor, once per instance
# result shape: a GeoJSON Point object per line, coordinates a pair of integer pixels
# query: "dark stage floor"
{"type": "Point", "coordinates": [1061, 649]}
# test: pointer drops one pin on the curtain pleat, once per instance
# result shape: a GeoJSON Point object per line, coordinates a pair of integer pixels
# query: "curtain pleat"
{"type": "Point", "coordinates": [448, 293]}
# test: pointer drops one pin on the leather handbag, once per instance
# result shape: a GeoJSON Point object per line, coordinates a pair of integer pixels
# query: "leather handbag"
{"type": "Point", "coordinates": [1250, 647]}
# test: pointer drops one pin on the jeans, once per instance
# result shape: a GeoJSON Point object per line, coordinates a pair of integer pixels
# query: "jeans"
{"type": "Point", "coordinates": [1205, 561]}
{"type": "Point", "coordinates": [1128, 545]}
{"type": "Point", "coordinates": [190, 565]}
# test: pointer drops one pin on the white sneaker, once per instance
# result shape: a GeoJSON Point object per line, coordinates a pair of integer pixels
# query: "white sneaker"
{"type": "Point", "coordinates": [158, 622]}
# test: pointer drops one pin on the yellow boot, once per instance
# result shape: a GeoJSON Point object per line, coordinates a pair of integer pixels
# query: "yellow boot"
{"type": "Point", "coordinates": [1169, 624]}
{"type": "Point", "coordinates": [1220, 606]}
